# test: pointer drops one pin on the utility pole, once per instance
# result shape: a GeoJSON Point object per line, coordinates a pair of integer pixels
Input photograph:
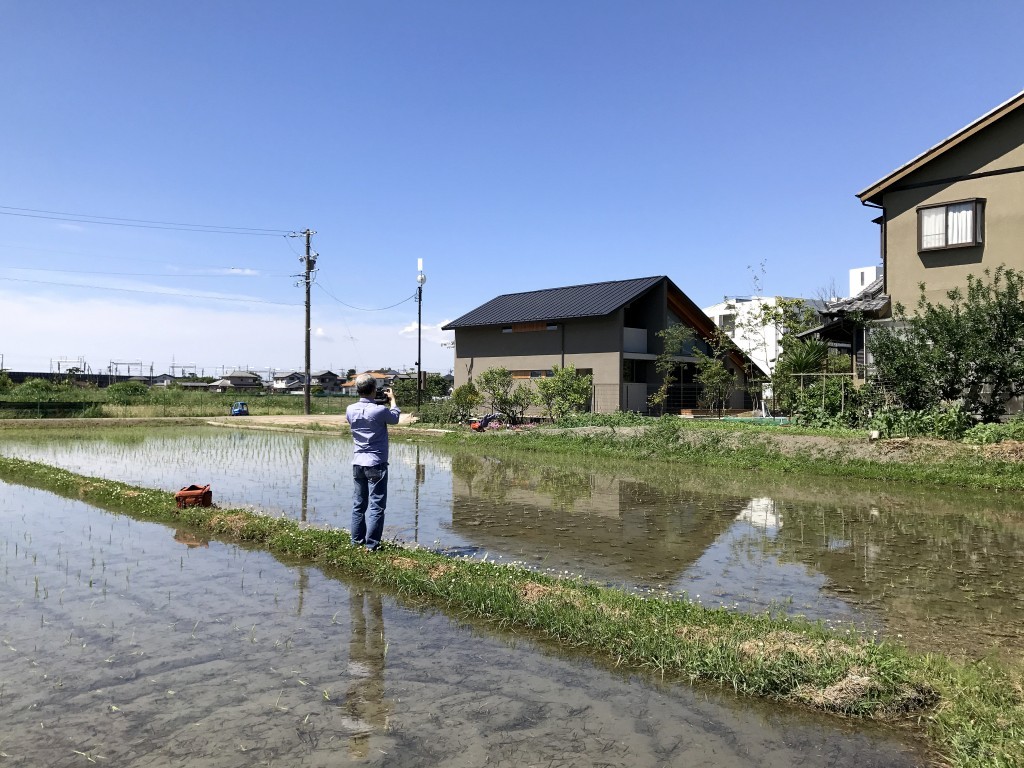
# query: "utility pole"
{"type": "Point", "coordinates": [420, 280]}
{"type": "Point", "coordinates": [307, 279]}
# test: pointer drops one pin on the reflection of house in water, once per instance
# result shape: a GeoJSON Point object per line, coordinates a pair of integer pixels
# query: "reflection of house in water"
{"type": "Point", "coordinates": [762, 514]}
{"type": "Point", "coordinates": [608, 527]}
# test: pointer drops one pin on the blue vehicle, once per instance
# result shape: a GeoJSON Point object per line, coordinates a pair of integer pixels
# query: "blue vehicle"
{"type": "Point", "coordinates": [239, 409]}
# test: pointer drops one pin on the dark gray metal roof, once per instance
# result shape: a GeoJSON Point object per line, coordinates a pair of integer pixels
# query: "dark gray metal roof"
{"type": "Point", "coordinates": [574, 301]}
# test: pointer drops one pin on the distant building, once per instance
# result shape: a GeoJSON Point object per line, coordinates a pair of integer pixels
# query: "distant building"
{"type": "Point", "coordinates": [328, 381]}
{"type": "Point", "coordinates": [740, 319]}
{"type": "Point", "coordinates": [288, 381]}
{"type": "Point", "coordinates": [383, 378]}
{"type": "Point", "coordinates": [238, 380]}
{"type": "Point", "coordinates": [846, 326]}
{"type": "Point", "coordinates": [861, 278]}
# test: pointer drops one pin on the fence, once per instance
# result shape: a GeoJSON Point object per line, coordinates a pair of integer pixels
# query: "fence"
{"type": "Point", "coordinates": [40, 409]}
{"type": "Point", "coordinates": [608, 398]}
{"type": "Point", "coordinates": [843, 378]}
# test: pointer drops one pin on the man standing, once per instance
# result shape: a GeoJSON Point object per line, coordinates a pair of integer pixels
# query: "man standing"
{"type": "Point", "coordinates": [369, 423]}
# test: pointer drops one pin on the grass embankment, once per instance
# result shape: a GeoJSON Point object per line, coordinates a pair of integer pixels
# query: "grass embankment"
{"type": "Point", "coordinates": [775, 450]}
{"type": "Point", "coordinates": [974, 714]}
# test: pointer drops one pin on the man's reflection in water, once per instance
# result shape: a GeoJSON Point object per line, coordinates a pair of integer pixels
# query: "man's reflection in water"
{"type": "Point", "coordinates": [364, 700]}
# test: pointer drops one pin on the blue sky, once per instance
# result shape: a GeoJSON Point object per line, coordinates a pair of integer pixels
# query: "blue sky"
{"type": "Point", "coordinates": [511, 146]}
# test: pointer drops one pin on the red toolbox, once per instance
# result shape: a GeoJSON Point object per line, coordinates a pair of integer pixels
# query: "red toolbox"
{"type": "Point", "coordinates": [194, 496]}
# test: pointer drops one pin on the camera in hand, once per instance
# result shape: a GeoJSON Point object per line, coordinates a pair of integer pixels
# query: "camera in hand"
{"type": "Point", "coordinates": [380, 397]}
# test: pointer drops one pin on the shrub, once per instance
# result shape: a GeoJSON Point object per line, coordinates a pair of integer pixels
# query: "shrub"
{"type": "Point", "coordinates": [617, 419]}
{"type": "Point", "coordinates": [565, 392]}
{"type": "Point", "coordinates": [945, 422]}
{"type": "Point", "coordinates": [35, 389]}
{"type": "Point", "coordinates": [127, 392]}
{"type": "Point", "coordinates": [986, 434]}
{"type": "Point", "coordinates": [504, 395]}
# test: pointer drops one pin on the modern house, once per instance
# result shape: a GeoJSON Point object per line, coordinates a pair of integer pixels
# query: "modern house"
{"type": "Point", "coordinates": [739, 318]}
{"type": "Point", "coordinates": [609, 330]}
{"type": "Point", "coordinates": [955, 210]}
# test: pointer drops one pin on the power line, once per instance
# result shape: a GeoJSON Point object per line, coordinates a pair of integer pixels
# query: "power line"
{"type": "Point", "coordinates": [204, 297]}
{"type": "Point", "coordinates": [225, 272]}
{"type": "Point", "coordinates": [364, 309]}
{"type": "Point", "coordinates": [84, 218]}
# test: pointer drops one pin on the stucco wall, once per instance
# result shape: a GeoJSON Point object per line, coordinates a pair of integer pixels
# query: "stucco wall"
{"type": "Point", "coordinates": [999, 147]}
{"type": "Point", "coordinates": [588, 343]}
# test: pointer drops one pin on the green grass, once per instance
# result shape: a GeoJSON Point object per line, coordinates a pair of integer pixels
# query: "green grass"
{"type": "Point", "coordinates": [972, 713]}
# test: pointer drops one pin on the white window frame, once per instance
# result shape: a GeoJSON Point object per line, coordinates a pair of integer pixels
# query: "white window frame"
{"type": "Point", "coordinates": [973, 206]}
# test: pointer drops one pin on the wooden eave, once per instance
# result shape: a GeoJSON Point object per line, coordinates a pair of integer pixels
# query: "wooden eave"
{"type": "Point", "coordinates": [873, 194]}
{"type": "Point", "coordinates": [686, 310]}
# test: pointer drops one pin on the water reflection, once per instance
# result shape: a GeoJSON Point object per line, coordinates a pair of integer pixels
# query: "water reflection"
{"type": "Point", "coordinates": [364, 700]}
{"type": "Point", "coordinates": [190, 539]}
{"type": "Point", "coordinates": [124, 648]}
{"type": "Point", "coordinates": [938, 567]}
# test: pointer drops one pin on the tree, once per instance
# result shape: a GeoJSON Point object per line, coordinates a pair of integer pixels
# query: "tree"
{"type": "Point", "coordinates": [566, 391]}
{"type": "Point", "coordinates": [716, 381]}
{"type": "Point", "coordinates": [673, 338]}
{"type": "Point", "coordinates": [503, 395]}
{"type": "Point", "coordinates": [970, 348]}
{"type": "Point", "coordinates": [435, 386]}
{"type": "Point", "coordinates": [464, 400]}
{"type": "Point", "coordinates": [405, 391]}
{"type": "Point", "coordinates": [6, 385]}
{"type": "Point", "coordinates": [790, 316]}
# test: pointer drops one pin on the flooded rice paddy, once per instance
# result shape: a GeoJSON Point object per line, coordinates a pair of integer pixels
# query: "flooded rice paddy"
{"type": "Point", "coordinates": [130, 644]}
{"type": "Point", "coordinates": [940, 570]}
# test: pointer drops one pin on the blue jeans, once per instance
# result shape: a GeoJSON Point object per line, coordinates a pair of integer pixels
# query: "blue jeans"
{"type": "Point", "coordinates": [368, 504]}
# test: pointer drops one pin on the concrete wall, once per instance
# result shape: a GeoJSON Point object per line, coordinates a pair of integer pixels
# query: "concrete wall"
{"type": "Point", "coordinates": [998, 147]}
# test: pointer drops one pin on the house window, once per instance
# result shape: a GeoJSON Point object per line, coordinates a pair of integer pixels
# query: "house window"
{"type": "Point", "coordinates": [950, 225]}
{"type": "Point", "coordinates": [727, 323]}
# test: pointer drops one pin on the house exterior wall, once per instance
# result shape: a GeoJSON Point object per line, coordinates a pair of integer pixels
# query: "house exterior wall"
{"type": "Point", "coordinates": [593, 343]}
{"type": "Point", "coordinates": [998, 147]}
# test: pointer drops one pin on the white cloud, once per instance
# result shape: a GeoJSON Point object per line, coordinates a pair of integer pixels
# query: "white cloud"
{"type": "Point", "coordinates": [432, 333]}
{"type": "Point", "coordinates": [156, 329]}
{"type": "Point", "coordinates": [233, 272]}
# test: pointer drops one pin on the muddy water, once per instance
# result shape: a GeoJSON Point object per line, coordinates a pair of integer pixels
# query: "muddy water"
{"type": "Point", "coordinates": [131, 644]}
{"type": "Point", "coordinates": [939, 569]}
